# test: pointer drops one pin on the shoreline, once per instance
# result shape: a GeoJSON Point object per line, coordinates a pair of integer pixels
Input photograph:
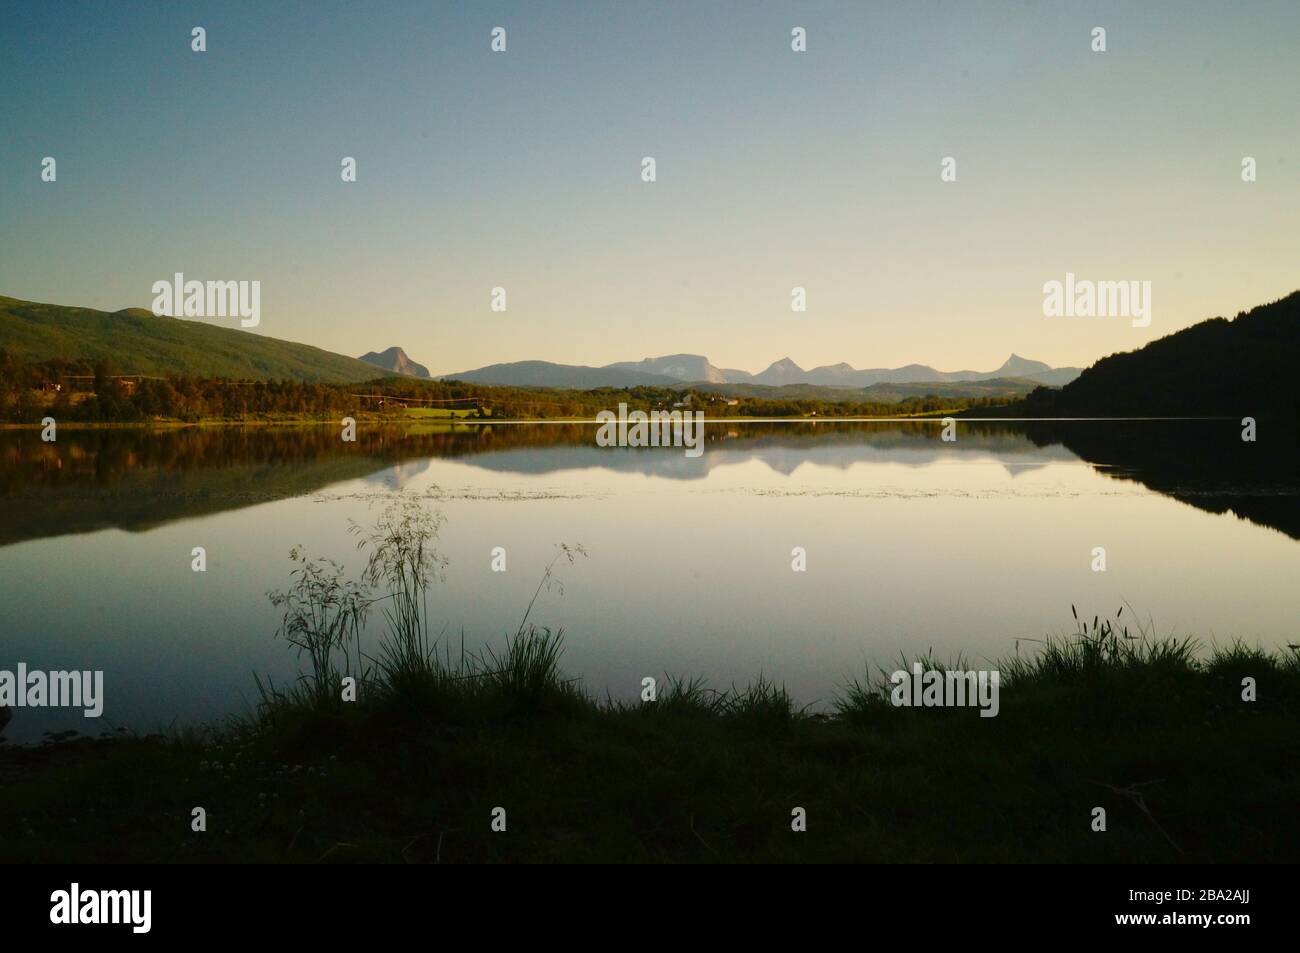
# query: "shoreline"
{"type": "Point", "coordinates": [923, 418]}
{"type": "Point", "coordinates": [417, 768]}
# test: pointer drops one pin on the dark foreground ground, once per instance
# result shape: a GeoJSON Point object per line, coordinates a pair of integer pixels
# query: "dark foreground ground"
{"type": "Point", "coordinates": [1185, 769]}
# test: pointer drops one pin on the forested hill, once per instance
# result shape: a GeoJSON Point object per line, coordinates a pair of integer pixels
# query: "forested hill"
{"type": "Point", "coordinates": [139, 342]}
{"type": "Point", "coordinates": [1247, 366]}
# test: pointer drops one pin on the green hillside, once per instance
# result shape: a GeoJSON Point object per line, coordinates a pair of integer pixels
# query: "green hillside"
{"type": "Point", "coordinates": [138, 342]}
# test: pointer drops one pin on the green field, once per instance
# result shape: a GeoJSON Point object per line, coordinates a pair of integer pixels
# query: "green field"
{"type": "Point", "coordinates": [438, 413]}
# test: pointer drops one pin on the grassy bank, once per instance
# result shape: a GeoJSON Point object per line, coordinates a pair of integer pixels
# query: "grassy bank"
{"type": "Point", "coordinates": [1159, 733]}
{"type": "Point", "coordinates": [412, 770]}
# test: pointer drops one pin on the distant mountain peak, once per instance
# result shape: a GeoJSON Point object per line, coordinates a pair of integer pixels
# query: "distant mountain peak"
{"type": "Point", "coordinates": [682, 367]}
{"type": "Point", "coordinates": [394, 359]}
{"type": "Point", "coordinates": [784, 371]}
{"type": "Point", "coordinates": [1017, 366]}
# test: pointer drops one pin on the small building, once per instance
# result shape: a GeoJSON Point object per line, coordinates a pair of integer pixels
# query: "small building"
{"type": "Point", "coordinates": [86, 382]}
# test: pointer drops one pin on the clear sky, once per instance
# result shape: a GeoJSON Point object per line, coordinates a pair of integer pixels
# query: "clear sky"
{"type": "Point", "coordinates": [775, 169]}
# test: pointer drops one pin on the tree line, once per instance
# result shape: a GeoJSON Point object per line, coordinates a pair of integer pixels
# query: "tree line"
{"type": "Point", "coordinates": [85, 391]}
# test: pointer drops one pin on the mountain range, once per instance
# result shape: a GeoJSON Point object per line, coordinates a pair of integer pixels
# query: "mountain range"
{"type": "Point", "coordinates": [677, 369]}
{"type": "Point", "coordinates": [140, 342]}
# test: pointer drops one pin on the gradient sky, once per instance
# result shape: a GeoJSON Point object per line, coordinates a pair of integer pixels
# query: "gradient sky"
{"type": "Point", "coordinates": [775, 169]}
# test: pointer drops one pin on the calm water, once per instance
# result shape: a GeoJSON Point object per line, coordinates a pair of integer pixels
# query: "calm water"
{"type": "Point", "coordinates": [912, 544]}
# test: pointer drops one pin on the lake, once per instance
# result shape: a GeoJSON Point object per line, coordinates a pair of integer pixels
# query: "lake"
{"type": "Point", "coordinates": [912, 544]}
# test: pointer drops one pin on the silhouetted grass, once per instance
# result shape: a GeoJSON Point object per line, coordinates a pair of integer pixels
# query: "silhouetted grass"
{"type": "Point", "coordinates": [1158, 731]}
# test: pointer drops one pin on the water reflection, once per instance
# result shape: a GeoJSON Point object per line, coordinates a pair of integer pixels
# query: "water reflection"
{"type": "Point", "coordinates": [914, 544]}
{"type": "Point", "coordinates": [137, 479]}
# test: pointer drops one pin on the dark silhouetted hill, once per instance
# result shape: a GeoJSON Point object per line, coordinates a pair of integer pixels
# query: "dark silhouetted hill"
{"type": "Point", "coordinates": [1244, 367]}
